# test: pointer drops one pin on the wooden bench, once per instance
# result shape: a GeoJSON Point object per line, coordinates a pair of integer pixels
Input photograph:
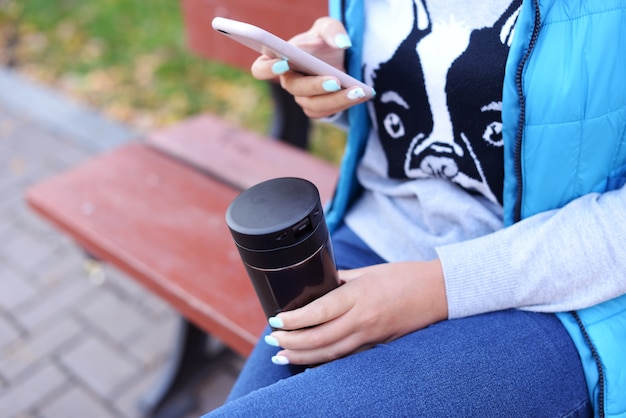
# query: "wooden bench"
{"type": "Point", "coordinates": [155, 208]}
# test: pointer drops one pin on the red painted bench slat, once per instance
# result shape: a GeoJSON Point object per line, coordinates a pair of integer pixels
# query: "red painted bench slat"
{"type": "Point", "coordinates": [240, 157]}
{"type": "Point", "coordinates": [162, 223]}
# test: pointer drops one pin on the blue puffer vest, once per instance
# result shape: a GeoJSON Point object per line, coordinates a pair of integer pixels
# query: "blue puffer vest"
{"type": "Point", "coordinates": [564, 117]}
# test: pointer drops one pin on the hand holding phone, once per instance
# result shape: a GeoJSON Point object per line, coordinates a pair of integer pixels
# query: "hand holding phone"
{"type": "Point", "coordinates": [271, 45]}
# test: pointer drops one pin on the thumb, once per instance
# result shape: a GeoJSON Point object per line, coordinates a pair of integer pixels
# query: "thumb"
{"type": "Point", "coordinates": [325, 30]}
{"type": "Point", "coordinates": [333, 32]}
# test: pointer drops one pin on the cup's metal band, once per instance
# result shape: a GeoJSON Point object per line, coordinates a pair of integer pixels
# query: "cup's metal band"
{"type": "Point", "coordinates": [296, 265]}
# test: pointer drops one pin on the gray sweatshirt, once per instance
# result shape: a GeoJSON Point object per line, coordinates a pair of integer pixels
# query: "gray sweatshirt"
{"type": "Point", "coordinates": [431, 189]}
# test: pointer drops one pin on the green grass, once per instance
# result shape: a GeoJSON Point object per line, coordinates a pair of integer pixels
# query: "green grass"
{"type": "Point", "coordinates": [129, 58]}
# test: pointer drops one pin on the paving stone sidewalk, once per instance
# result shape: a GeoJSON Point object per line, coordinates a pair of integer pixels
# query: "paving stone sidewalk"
{"type": "Point", "coordinates": [71, 346]}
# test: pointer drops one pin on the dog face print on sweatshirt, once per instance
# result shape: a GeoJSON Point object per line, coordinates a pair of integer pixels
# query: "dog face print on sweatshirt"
{"type": "Point", "coordinates": [439, 93]}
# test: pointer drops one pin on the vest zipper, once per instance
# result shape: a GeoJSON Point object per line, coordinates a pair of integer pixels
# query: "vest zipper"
{"type": "Point", "coordinates": [517, 161]}
{"type": "Point", "coordinates": [596, 359]}
{"type": "Point", "coordinates": [517, 208]}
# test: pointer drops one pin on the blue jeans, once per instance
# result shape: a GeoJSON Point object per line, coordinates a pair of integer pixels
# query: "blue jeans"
{"type": "Point", "coordinates": [506, 364]}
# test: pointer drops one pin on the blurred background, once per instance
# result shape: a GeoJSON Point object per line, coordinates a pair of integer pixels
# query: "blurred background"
{"type": "Point", "coordinates": [128, 58]}
{"type": "Point", "coordinates": [73, 344]}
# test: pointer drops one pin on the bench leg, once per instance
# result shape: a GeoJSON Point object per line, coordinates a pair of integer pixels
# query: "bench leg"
{"type": "Point", "coordinates": [173, 394]}
{"type": "Point", "coordinates": [289, 123]}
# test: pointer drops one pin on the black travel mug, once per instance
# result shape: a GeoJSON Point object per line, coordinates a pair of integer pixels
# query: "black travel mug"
{"type": "Point", "coordinates": [279, 229]}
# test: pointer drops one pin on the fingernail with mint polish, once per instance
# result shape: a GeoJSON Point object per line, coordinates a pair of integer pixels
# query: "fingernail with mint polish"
{"type": "Point", "coordinates": [269, 340]}
{"type": "Point", "coordinates": [280, 67]}
{"type": "Point", "coordinates": [280, 360]}
{"type": "Point", "coordinates": [343, 41]}
{"type": "Point", "coordinates": [356, 93]}
{"type": "Point", "coordinates": [331, 85]}
{"type": "Point", "coordinates": [276, 322]}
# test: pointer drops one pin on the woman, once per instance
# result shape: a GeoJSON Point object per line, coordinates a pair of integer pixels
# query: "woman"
{"type": "Point", "coordinates": [478, 219]}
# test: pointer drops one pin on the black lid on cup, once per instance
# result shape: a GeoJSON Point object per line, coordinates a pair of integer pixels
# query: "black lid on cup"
{"type": "Point", "coordinates": [277, 223]}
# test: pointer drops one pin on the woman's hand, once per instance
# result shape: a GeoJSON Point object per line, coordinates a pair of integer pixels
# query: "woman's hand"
{"type": "Point", "coordinates": [319, 96]}
{"type": "Point", "coordinates": [375, 305]}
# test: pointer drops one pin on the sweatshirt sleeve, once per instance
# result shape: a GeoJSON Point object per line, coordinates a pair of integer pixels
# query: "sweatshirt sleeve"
{"type": "Point", "coordinates": [560, 260]}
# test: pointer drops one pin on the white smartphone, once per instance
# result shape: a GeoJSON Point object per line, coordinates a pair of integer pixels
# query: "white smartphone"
{"type": "Point", "coordinates": [269, 44]}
